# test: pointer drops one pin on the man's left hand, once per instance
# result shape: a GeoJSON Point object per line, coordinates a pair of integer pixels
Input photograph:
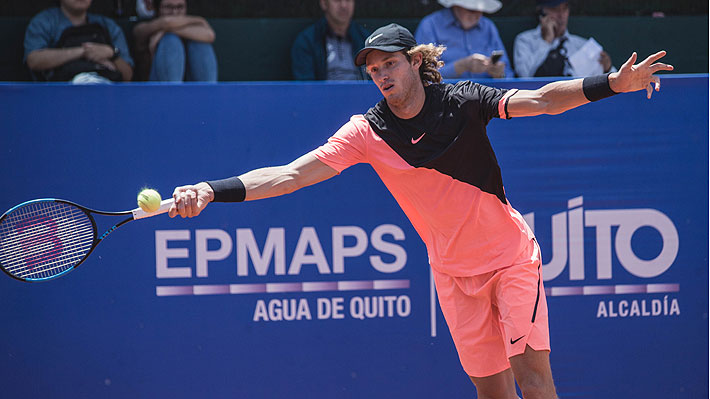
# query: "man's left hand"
{"type": "Point", "coordinates": [641, 76]}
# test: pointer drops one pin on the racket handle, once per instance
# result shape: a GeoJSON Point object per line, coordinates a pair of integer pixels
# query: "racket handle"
{"type": "Point", "coordinates": [165, 205]}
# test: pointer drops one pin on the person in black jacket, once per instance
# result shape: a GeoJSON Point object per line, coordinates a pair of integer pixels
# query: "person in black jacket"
{"type": "Point", "coordinates": [67, 43]}
{"type": "Point", "coordinates": [326, 49]}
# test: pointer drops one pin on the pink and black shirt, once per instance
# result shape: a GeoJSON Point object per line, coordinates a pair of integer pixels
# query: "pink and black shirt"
{"type": "Point", "coordinates": [441, 169]}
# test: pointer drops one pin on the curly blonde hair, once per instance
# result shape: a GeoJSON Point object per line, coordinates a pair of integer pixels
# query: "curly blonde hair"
{"type": "Point", "coordinates": [429, 70]}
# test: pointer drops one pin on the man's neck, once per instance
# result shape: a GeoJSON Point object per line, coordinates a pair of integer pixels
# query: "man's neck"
{"type": "Point", "coordinates": [467, 25]}
{"type": "Point", "coordinates": [339, 29]}
{"type": "Point", "coordinates": [412, 104]}
{"type": "Point", "coordinates": [560, 33]}
{"type": "Point", "coordinates": [75, 17]}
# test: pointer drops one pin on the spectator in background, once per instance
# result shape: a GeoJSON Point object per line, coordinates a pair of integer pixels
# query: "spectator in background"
{"type": "Point", "coordinates": [326, 49]}
{"type": "Point", "coordinates": [144, 9]}
{"type": "Point", "coordinates": [67, 43]}
{"type": "Point", "coordinates": [469, 37]}
{"type": "Point", "coordinates": [174, 46]}
{"type": "Point", "coordinates": [544, 51]}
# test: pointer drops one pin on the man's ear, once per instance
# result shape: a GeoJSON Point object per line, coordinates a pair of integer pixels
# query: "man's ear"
{"type": "Point", "coordinates": [417, 59]}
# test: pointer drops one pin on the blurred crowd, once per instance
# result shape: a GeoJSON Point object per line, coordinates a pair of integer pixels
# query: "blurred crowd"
{"type": "Point", "coordinates": [67, 43]}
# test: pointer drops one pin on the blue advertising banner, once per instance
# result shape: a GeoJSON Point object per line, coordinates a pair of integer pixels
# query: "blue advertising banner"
{"type": "Point", "coordinates": [326, 292]}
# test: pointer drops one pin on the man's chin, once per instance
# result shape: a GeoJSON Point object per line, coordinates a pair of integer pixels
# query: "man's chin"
{"type": "Point", "coordinates": [79, 9]}
{"type": "Point", "coordinates": [343, 19]}
{"type": "Point", "coordinates": [393, 99]}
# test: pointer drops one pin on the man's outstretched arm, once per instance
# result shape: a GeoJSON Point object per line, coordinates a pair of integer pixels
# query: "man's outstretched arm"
{"type": "Point", "coordinates": [558, 97]}
{"type": "Point", "coordinates": [259, 183]}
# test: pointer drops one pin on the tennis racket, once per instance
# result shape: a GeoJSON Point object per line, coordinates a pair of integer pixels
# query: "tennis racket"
{"type": "Point", "coordinates": [46, 238]}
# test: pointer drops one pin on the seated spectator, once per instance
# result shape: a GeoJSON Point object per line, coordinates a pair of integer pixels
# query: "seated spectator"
{"type": "Point", "coordinates": [544, 51]}
{"type": "Point", "coordinates": [326, 49]}
{"type": "Point", "coordinates": [67, 43]}
{"type": "Point", "coordinates": [469, 37]}
{"type": "Point", "coordinates": [174, 46]}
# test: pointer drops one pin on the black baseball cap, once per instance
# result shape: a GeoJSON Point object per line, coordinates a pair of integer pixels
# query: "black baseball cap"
{"type": "Point", "coordinates": [390, 38]}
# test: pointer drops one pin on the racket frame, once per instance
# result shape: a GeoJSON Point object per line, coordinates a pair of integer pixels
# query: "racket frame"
{"type": "Point", "coordinates": [134, 214]}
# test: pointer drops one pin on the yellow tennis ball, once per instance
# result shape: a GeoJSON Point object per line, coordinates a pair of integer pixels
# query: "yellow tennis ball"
{"type": "Point", "coordinates": [149, 200]}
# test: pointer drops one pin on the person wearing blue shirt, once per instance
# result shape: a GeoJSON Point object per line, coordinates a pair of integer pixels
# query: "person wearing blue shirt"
{"type": "Point", "coordinates": [469, 37]}
{"type": "Point", "coordinates": [44, 53]}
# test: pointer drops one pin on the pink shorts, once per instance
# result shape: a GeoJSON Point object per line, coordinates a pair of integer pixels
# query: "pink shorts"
{"type": "Point", "coordinates": [494, 316]}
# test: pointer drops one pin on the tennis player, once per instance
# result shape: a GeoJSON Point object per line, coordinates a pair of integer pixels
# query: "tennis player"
{"type": "Point", "coordinates": [427, 142]}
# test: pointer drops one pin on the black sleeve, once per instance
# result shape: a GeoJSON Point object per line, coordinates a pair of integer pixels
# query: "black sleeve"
{"type": "Point", "coordinates": [483, 99]}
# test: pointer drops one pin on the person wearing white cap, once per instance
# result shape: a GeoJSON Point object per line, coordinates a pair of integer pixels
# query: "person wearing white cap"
{"type": "Point", "coordinates": [470, 39]}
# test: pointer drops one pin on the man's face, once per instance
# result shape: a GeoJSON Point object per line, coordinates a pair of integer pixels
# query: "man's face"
{"type": "Point", "coordinates": [76, 6]}
{"type": "Point", "coordinates": [339, 11]}
{"type": "Point", "coordinates": [560, 14]}
{"type": "Point", "coordinates": [467, 18]}
{"type": "Point", "coordinates": [393, 74]}
{"type": "Point", "coordinates": [173, 7]}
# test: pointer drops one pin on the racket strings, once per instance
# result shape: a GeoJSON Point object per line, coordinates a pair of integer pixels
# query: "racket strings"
{"type": "Point", "coordinates": [42, 248]}
{"type": "Point", "coordinates": [43, 239]}
{"type": "Point", "coordinates": [38, 263]}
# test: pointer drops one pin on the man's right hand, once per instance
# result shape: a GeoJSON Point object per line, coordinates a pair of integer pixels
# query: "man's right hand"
{"type": "Point", "coordinates": [548, 27]}
{"type": "Point", "coordinates": [474, 63]}
{"type": "Point", "coordinates": [191, 200]}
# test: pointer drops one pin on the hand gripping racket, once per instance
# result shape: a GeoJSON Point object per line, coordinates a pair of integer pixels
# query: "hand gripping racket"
{"type": "Point", "coordinates": [46, 238]}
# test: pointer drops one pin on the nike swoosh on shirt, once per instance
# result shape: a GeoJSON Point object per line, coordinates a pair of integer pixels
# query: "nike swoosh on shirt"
{"type": "Point", "coordinates": [373, 38]}
{"type": "Point", "coordinates": [417, 140]}
{"type": "Point", "coordinates": [513, 341]}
